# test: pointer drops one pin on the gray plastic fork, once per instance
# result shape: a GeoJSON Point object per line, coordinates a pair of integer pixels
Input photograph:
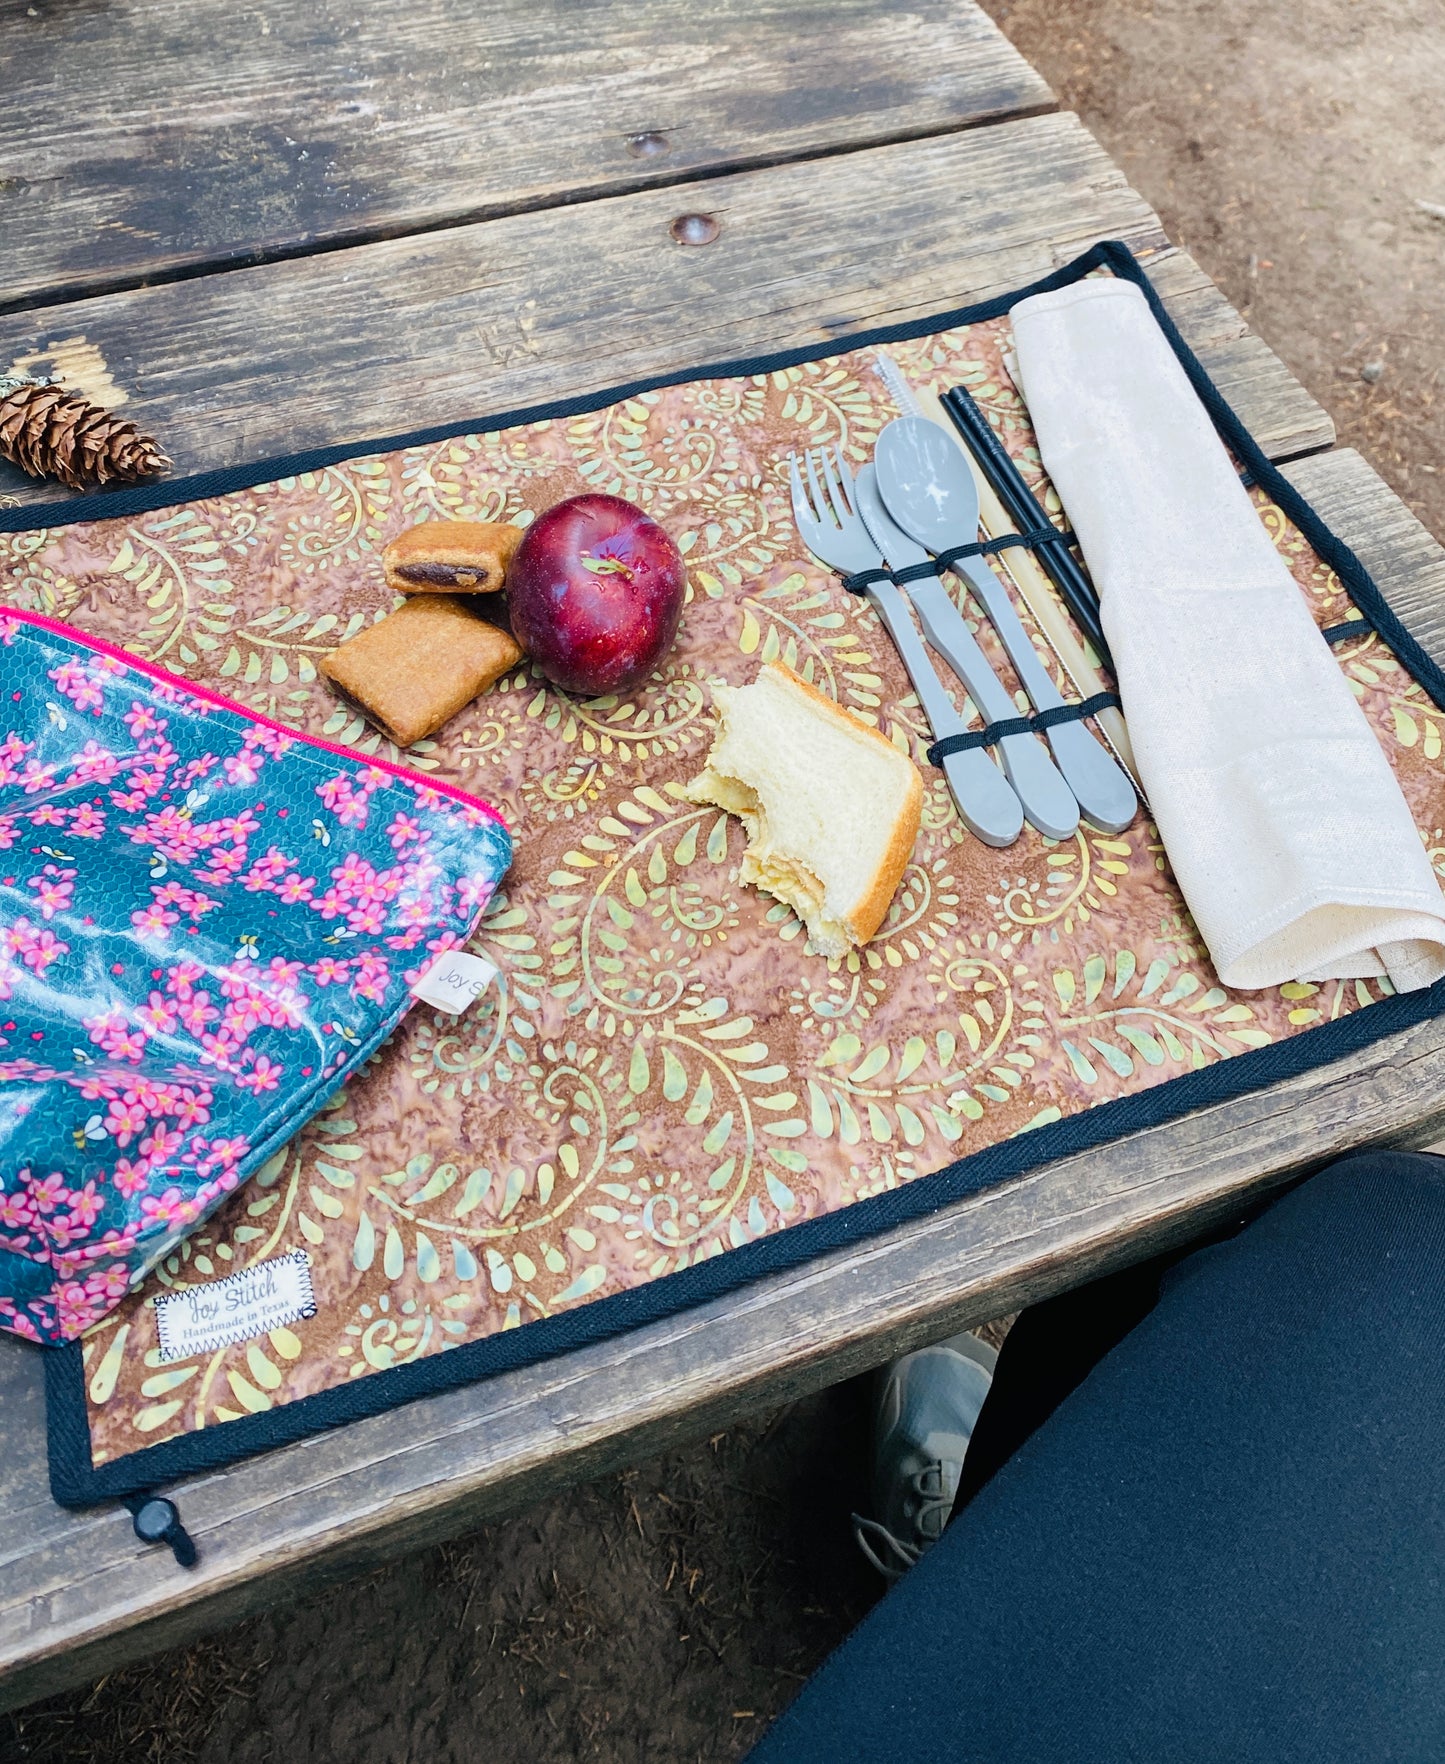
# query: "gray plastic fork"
{"type": "Point", "coordinates": [830, 526]}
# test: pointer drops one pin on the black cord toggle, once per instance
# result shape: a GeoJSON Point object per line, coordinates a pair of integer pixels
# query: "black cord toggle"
{"type": "Point", "coordinates": [993, 733]}
{"type": "Point", "coordinates": [940, 565]}
{"type": "Point", "coordinates": [157, 1520]}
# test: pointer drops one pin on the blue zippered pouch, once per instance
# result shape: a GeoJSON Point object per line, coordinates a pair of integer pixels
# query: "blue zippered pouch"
{"type": "Point", "coordinates": [207, 921]}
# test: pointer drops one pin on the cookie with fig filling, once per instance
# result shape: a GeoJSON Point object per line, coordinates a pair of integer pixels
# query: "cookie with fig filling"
{"type": "Point", "coordinates": [451, 557]}
{"type": "Point", "coordinates": [416, 668]}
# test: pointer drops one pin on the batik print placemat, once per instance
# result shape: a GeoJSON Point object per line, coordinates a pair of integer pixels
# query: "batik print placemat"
{"type": "Point", "coordinates": [665, 1076]}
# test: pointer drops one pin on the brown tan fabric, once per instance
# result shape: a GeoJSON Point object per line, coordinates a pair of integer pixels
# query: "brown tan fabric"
{"type": "Point", "coordinates": [665, 1070]}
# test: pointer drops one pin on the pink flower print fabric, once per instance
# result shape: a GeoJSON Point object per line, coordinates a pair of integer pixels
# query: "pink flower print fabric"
{"type": "Point", "coordinates": [206, 923]}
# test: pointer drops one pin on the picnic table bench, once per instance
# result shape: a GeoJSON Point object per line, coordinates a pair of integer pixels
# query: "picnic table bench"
{"type": "Point", "coordinates": [283, 228]}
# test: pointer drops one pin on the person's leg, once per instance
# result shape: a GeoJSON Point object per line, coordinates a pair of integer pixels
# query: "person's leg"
{"type": "Point", "coordinates": [1051, 1349]}
{"type": "Point", "coordinates": [925, 1413]}
{"type": "Point", "coordinates": [943, 1422]}
{"type": "Point", "coordinates": [1227, 1543]}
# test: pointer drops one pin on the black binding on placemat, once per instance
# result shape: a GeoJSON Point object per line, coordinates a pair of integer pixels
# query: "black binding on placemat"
{"type": "Point", "coordinates": [75, 1481]}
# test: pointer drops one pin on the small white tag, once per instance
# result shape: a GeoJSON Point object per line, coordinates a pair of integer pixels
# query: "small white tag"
{"type": "Point", "coordinates": [454, 980]}
{"type": "Point", "coordinates": [247, 1303]}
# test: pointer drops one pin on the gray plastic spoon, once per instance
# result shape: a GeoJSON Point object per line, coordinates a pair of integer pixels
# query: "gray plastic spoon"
{"type": "Point", "coordinates": [930, 492]}
{"type": "Point", "coordinates": [986, 800]}
{"type": "Point", "coordinates": [1047, 800]}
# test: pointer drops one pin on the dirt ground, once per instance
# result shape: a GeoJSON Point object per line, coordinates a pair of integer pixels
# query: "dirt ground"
{"type": "Point", "coordinates": [1288, 145]}
{"type": "Point", "coordinates": [666, 1614]}
{"type": "Point", "coordinates": [663, 1614]}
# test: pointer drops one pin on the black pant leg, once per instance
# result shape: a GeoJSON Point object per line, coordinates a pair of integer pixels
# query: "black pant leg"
{"type": "Point", "coordinates": [1227, 1543]}
{"type": "Point", "coordinates": [1051, 1349]}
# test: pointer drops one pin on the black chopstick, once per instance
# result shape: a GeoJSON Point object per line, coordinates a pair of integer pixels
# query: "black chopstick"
{"type": "Point", "coordinates": [1027, 513]}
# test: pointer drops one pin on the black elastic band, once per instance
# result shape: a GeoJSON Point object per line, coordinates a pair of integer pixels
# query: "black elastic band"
{"type": "Point", "coordinates": [940, 565]}
{"type": "Point", "coordinates": [1036, 724]}
{"type": "Point", "coordinates": [1350, 628]}
{"type": "Point", "coordinates": [864, 580]}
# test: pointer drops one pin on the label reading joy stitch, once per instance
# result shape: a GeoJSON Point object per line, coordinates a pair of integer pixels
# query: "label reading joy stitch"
{"type": "Point", "coordinates": [245, 1304]}
{"type": "Point", "coordinates": [454, 980]}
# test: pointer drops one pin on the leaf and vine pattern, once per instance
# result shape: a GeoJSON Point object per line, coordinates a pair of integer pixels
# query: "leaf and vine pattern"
{"type": "Point", "coordinates": [665, 1069]}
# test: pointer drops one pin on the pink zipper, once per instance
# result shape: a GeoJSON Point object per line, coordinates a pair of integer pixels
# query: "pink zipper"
{"type": "Point", "coordinates": [59, 629]}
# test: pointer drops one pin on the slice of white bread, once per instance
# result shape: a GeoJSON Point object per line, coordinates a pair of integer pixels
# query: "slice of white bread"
{"type": "Point", "coordinates": [831, 806]}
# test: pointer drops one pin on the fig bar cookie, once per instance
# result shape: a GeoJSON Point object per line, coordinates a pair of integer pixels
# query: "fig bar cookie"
{"type": "Point", "coordinates": [831, 806]}
{"type": "Point", "coordinates": [451, 557]}
{"type": "Point", "coordinates": [416, 669]}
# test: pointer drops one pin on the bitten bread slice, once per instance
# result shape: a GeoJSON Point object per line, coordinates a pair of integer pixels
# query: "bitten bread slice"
{"type": "Point", "coordinates": [831, 806]}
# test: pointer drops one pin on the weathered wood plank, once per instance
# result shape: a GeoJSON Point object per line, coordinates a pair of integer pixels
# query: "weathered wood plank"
{"type": "Point", "coordinates": [1397, 550]}
{"type": "Point", "coordinates": [78, 1595]}
{"type": "Point", "coordinates": [449, 326]}
{"type": "Point", "coordinates": [1246, 370]}
{"type": "Point", "coordinates": [142, 141]}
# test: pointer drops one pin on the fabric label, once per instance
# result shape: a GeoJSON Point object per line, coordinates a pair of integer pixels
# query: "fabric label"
{"type": "Point", "coordinates": [454, 980]}
{"type": "Point", "coordinates": [247, 1303]}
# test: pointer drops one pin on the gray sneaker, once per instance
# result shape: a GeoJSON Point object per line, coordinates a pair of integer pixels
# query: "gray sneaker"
{"type": "Point", "coordinates": [924, 1414]}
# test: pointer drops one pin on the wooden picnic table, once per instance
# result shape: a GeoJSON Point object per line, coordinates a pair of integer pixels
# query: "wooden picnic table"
{"type": "Point", "coordinates": [275, 228]}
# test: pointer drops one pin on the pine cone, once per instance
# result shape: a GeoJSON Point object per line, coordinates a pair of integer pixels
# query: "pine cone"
{"type": "Point", "coordinates": [52, 433]}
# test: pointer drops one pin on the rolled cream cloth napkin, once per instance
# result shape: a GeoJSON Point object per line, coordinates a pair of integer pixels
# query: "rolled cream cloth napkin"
{"type": "Point", "coordinates": [1284, 824]}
